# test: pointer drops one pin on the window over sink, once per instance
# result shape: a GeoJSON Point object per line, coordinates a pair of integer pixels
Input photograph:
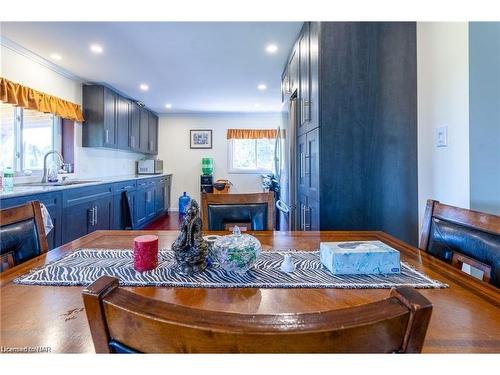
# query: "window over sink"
{"type": "Point", "coordinates": [26, 136]}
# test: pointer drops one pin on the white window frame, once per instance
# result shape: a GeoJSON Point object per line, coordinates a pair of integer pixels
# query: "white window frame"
{"type": "Point", "coordinates": [18, 141]}
{"type": "Point", "coordinates": [234, 170]}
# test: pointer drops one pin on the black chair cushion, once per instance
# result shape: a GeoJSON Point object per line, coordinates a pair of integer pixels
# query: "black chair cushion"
{"type": "Point", "coordinates": [220, 214]}
{"type": "Point", "coordinates": [446, 238]}
{"type": "Point", "coordinates": [21, 240]}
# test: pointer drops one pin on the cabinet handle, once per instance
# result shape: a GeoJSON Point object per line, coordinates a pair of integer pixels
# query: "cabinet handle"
{"type": "Point", "coordinates": [95, 213]}
{"type": "Point", "coordinates": [307, 225]}
{"type": "Point", "coordinates": [307, 163]}
{"type": "Point", "coordinates": [107, 136]}
{"type": "Point", "coordinates": [90, 215]}
{"type": "Point", "coordinates": [302, 216]}
{"type": "Point", "coordinates": [302, 174]}
{"type": "Point", "coordinates": [307, 112]}
{"type": "Point", "coordinates": [132, 141]}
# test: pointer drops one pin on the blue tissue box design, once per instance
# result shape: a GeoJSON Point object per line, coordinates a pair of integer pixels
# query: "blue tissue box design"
{"type": "Point", "coordinates": [359, 257]}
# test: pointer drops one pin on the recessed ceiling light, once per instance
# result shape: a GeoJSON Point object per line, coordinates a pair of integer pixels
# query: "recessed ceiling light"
{"type": "Point", "coordinates": [144, 87]}
{"type": "Point", "coordinates": [55, 56]}
{"type": "Point", "coordinates": [96, 48]}
{"type": "Point", "coordinates": [271, 48]}
{"type": "Point", "coordinates": [257, 105]}
{"type": "Point", "coordinates": [261, 87]}
{"type": "Point", "coordinates": [168, 105]}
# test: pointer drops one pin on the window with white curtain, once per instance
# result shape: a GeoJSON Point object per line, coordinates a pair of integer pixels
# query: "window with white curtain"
{"type": "Point", "coordinates": [26, 136]}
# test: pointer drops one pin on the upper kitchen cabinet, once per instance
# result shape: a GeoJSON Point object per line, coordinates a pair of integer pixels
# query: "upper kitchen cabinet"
{"type": "Point", "coordinates": [114, 121]}
{"type": "Point", "coordinates": [122, 122]}
{"type": "Point", "coordinates": [99, 111]}
{"type": "Point", "coordinates": [307, 78]}
{"type": "Point", "coordinates": [144, 130]}
{"type": "Point", "coordinates": [152, 134]}
{"type": "Point", "coordinates": [293, 70]}
{"type": "Point", "coordinates": [135, 127]}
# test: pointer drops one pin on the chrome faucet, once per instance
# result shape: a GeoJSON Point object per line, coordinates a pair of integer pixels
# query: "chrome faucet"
{"type": "Point", "coordinates": [44, 178]}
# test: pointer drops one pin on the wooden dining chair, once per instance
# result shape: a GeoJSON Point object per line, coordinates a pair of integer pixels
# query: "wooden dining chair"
{"type": "Point", "coordinates": [253, 211]}
{"type": "Point", "coordinates": [125, 322]}
{"type": "Point", "coordinates": [468, 240]}
{"type": "Point", "coordinates": [22, 234]}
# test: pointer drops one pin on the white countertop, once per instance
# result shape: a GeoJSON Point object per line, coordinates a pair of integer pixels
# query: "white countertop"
{"type": "Point", "coordinates": [21, 190]}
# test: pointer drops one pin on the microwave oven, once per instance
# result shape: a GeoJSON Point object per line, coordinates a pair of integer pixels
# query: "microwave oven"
{"type": "Point", "coordinates": [150, 166]}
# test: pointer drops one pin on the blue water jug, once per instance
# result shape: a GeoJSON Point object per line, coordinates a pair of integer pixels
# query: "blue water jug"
{"type": "Point", "coordinates": [184, 200]}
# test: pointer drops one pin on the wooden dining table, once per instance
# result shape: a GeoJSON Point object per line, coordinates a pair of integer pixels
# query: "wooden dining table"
{"type": "Point", "coordinates": [465, 318]}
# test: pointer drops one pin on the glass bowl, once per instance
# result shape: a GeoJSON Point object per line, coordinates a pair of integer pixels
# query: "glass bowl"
{"type": "Point", "coordinates": [237, 252]}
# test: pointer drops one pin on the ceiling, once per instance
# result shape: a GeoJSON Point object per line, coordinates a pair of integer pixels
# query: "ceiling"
{"type": "Point", "coordinates": [194, 66]}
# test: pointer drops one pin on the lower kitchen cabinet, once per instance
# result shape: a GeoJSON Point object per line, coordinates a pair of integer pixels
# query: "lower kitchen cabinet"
{"type": "Point", "coordinates": [308, 214]}
{"type": "Point", "coordinates": [76, 212]}
{"type": "Point", "coordinates": [87, 217]}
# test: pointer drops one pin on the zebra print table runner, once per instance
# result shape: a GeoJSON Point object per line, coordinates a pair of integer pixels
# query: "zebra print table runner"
{"type": "Point", "coordinates": [84, 266]}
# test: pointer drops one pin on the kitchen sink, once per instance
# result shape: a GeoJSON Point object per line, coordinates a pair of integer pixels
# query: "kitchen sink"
{"type": "Point", "coordinates": [58, 183]}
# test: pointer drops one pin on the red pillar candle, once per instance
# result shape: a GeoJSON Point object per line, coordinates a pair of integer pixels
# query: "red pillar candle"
{"type": "Point", "coordinates": [145, 253]}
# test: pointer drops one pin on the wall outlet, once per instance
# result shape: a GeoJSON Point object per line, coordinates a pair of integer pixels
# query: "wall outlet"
{"type": "Point", "coordinates": [442, 136]}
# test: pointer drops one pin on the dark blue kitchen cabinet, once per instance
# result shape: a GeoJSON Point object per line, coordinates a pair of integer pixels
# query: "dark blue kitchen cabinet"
{"type": "Point", "coordinates": [76, 212]}
{"type": "Point", "coordinates": [119, 203]}
{"type": "Point", "coordinates": [86, 209]}
{"type": "Point", "coordinates": [161, 192]}
{"type": "Point", "coordinates": [53, 202]}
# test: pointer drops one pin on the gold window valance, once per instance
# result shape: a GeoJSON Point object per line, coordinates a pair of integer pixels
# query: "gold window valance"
{"type": "Point", "coordinates": [251, 133]}
{"type": "Point", "coordinates": [25, 97]}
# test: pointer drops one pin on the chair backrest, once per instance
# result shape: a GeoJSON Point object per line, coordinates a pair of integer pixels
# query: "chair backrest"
{"type": "Point", "coordinates": [22, 234]}
{"type": "Point", "coordinates": [251, 211]}
{"type": "Point", "coordinates": [124, 322]}
{"type": "Point", "coordinates": [457, 236]}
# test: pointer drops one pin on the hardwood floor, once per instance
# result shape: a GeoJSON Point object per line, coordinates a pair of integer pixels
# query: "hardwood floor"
{"type": "Point", "coordinates": [170, 221]}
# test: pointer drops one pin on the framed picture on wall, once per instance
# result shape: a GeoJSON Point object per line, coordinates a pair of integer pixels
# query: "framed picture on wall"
{"type": "Point", "coordinates": [200, 138]}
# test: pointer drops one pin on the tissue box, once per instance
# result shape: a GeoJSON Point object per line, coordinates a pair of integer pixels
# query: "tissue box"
{"type": "Point", "coordinates": [359, 257]}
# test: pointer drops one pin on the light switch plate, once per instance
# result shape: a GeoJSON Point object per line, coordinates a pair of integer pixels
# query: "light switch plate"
{"type": "Point", "coordinates": [442, 136]}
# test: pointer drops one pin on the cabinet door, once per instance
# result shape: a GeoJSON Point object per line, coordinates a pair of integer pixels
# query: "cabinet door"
{"type": "Point", "coordinates": [150, 202]}
{"type": "Point", "coordinates": [301, 211]}
{"type": "Point", "coordinates": [161, 190]}
{"type": "Point", "coordinates": [314, 75]}
{"type": "Point", "coordinates": [304, 81]}
{"type": "Point", "coordinates": [110, 99]}
{"type": "Point", "coordinates": [140, 207]}
{"type": "Point", "coordinates": [153, 134]}
{"type": "Point", "coordinates": [293, 70]}
{"type": "Point", "coordinates": [78, 221]}
{"type": "Point", "coordinates": [312, 164]}
{"type": "Point", "coordinates": [144, 130]}
{"type": "Point", "coordinates": [102, 214]}
{"type": "Point", "coordinates": [312, 215]}
{"type": "Point", "coordinates": [134, 127]}
{"type": "Point", "coordinates": [301, 164]}
{"type": "Point", "coordinates": [122, 122]}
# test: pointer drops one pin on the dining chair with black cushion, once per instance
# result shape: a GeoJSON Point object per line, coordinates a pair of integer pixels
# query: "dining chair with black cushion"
{"type": "Point", "coordinates": [122, 321]}
{"type": "Point", "coordinates": [253, 211]}
{"type": "Point", "coordinates": [460, 236]}
{"type": "Point", "coordinates": [22, 234]}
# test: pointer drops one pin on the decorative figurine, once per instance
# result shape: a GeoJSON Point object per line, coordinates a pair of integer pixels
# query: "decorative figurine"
{"type": "Point", "coordinates": [287, 264]}
{"type": "Point", "coordinates": [191, 250]}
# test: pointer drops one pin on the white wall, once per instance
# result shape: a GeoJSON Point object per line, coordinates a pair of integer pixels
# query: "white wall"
{"type": "Point", "coordinates": [185, 163]}
{"type": "Point", "coordinates": [443, 99]}
{"type": "Point", "coordinates": [24, 68]}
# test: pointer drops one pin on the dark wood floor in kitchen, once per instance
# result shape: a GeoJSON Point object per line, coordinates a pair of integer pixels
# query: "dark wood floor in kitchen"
{"type": "Point", "coordinates": [168, 221]}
